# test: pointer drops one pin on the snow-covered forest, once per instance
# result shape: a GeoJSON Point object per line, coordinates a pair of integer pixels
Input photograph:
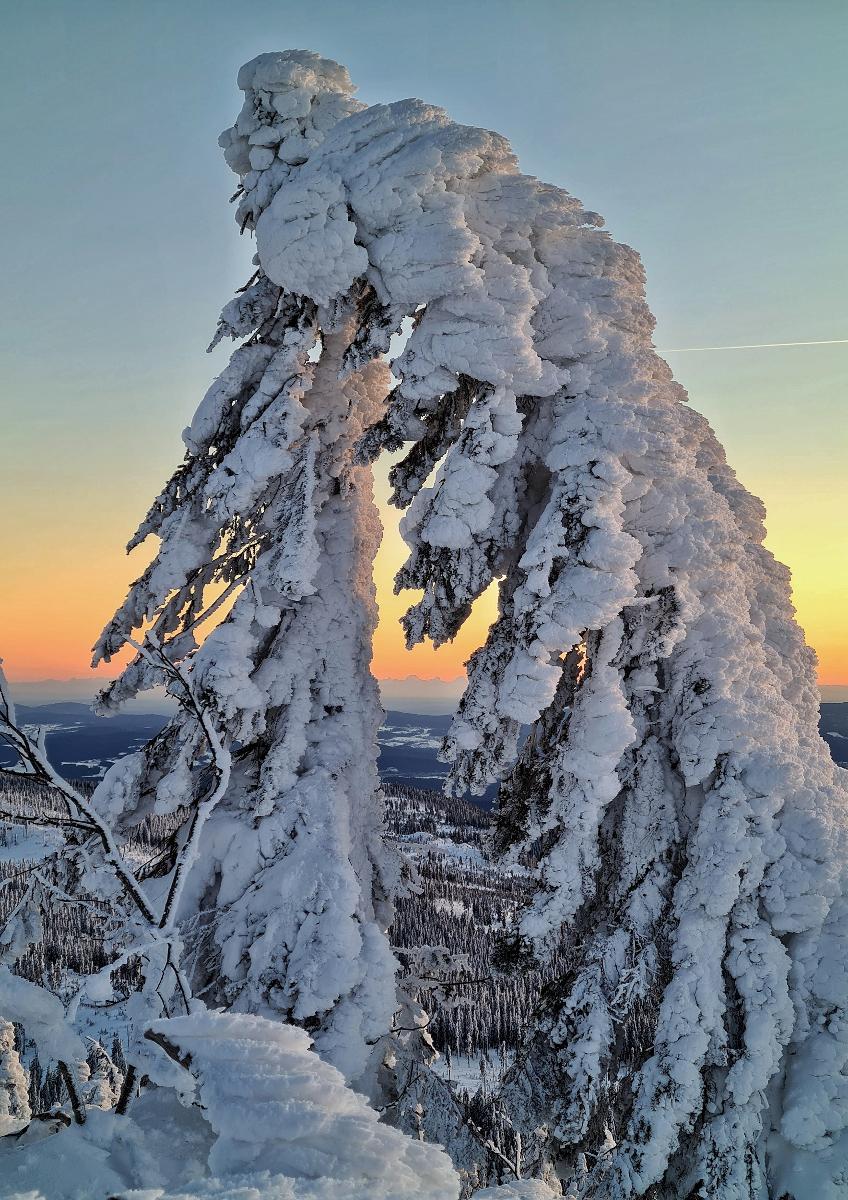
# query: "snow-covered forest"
{"type": "Point", "coordinates": [238, 966]}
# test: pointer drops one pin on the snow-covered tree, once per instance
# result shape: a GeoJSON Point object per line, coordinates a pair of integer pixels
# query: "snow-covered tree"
{"type": "Point", "coordinates": [286, 901]}
{"type": "Point", "coordinates": [687, 821]}
{"type": "Point", "coordinates": [14, 1084]}
{"type": "Point", "coordinates": [102, 1085]}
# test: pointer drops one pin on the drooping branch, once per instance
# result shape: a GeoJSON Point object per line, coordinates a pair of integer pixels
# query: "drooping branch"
{"type": "Point", "coordinates": [35, 755]}
{"type": "Point", "coordinates": [221, 763]}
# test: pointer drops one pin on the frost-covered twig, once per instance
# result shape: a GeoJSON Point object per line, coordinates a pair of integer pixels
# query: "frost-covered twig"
{"type": "Point", "coordinates": [221, 760]}
{"type": "Point", "coordinates": [36, 755]}
{"type": "Point", "coordinates": [157, 936]}
{"type": "Point", "coordinates": [51, 820]}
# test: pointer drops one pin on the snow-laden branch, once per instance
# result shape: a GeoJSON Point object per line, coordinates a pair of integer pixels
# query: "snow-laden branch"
{"type": "Point", "coordinates": [34, 753]}
{"type": "Point", "coordinates": [157, 941]}
{"type": "Point", "coordinates": [221, 766]}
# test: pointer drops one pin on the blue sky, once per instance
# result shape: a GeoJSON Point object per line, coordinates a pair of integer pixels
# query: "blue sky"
{"type": "Point", "coordinates": [712, 136]}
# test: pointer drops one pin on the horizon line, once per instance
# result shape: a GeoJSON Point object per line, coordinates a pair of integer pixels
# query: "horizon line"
{"type": "Point", "coordinates": [755, 346]}
{"type": "Point", "coordinates": [99, 680]}
{"type": "Point", "coordinates": [97, 683]}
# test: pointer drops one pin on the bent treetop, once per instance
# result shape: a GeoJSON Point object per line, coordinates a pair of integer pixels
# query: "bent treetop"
{"type": "Point", "coordinates": [687, 822]}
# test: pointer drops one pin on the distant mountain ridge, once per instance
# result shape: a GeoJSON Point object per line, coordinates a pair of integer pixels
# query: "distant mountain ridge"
{"type": "Point", "coordinates": [82, 745]}
{"type": "Point", "coordinates": [409, 694]}
{"type": "Point", "coordinates": [833, 726]}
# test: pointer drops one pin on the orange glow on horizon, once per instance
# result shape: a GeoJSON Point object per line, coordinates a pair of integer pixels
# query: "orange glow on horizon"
{"type": "Point", "coordinates": [391, 658]}
{"type": "Point", "coordinates": [59, 589]}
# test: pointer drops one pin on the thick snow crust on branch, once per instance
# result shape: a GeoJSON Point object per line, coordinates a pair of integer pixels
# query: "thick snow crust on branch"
{"type": "Point", "coordinates": [43, 1016]}
{"type": "Point", "coordinates": [276, 1107]}
{"type": "Point", "coordinates": [262, 1118]}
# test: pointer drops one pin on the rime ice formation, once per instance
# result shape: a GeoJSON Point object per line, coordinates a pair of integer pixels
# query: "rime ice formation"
{"type": "Point", "coordinates": [286, 903]}
{"type": "Point", "coordinates": [261, 1117]}
{"type": "Point", "coordinates": [14, 1101]}
{"type": "Point", "coordinates": [688, 823]}
{"type": "Point", "coordinates": [278, 1108]}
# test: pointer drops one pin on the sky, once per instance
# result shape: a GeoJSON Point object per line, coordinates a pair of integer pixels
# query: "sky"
{"type": "Point", "coordinates": [712, 136]}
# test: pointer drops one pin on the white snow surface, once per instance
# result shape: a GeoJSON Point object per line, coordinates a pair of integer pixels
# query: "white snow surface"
{"type": "Point", "coordinates": [277, 1123]}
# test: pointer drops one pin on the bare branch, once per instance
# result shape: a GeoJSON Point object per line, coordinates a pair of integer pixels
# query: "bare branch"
{"type": "Point", "coordinates": [127, 1089]}
{"type": "Point", "coordinates": [36, 754]}
{"type": "Point", "coordinates": [73, 1094]}
{"type": "Point", "coordinates": [170, 1049]}
{"type": "Point", "coordinates": [50, 821]}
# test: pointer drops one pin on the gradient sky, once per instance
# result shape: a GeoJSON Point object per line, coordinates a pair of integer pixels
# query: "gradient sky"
{"type": "Point", "coordinates": [712, 136]}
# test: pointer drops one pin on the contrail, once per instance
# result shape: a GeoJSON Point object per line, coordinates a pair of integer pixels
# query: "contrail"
{"type": "Point", "coordinates": [755, 346]}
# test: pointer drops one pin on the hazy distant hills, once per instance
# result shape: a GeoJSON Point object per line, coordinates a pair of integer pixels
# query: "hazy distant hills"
{"type": "Point", "coordinates": [409, 743]}
{"type": "Point", "coordinates": [407, 695]}
{"type": "Point", "coordinates": [834, 729]}
{"type": "Point", "coordinates": [82, 745]}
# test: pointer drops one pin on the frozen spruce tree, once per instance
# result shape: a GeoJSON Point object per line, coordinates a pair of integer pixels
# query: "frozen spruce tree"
{"type": "Point", "coordinates": [684, 820]}
{"type": "Point", "coordinates": [285, 903]}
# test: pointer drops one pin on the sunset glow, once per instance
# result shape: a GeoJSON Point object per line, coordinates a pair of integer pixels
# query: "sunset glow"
{"type": "Point", "coordinates": [61, 590]}
{"type": "Point", "coordinates": [114, 291]}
